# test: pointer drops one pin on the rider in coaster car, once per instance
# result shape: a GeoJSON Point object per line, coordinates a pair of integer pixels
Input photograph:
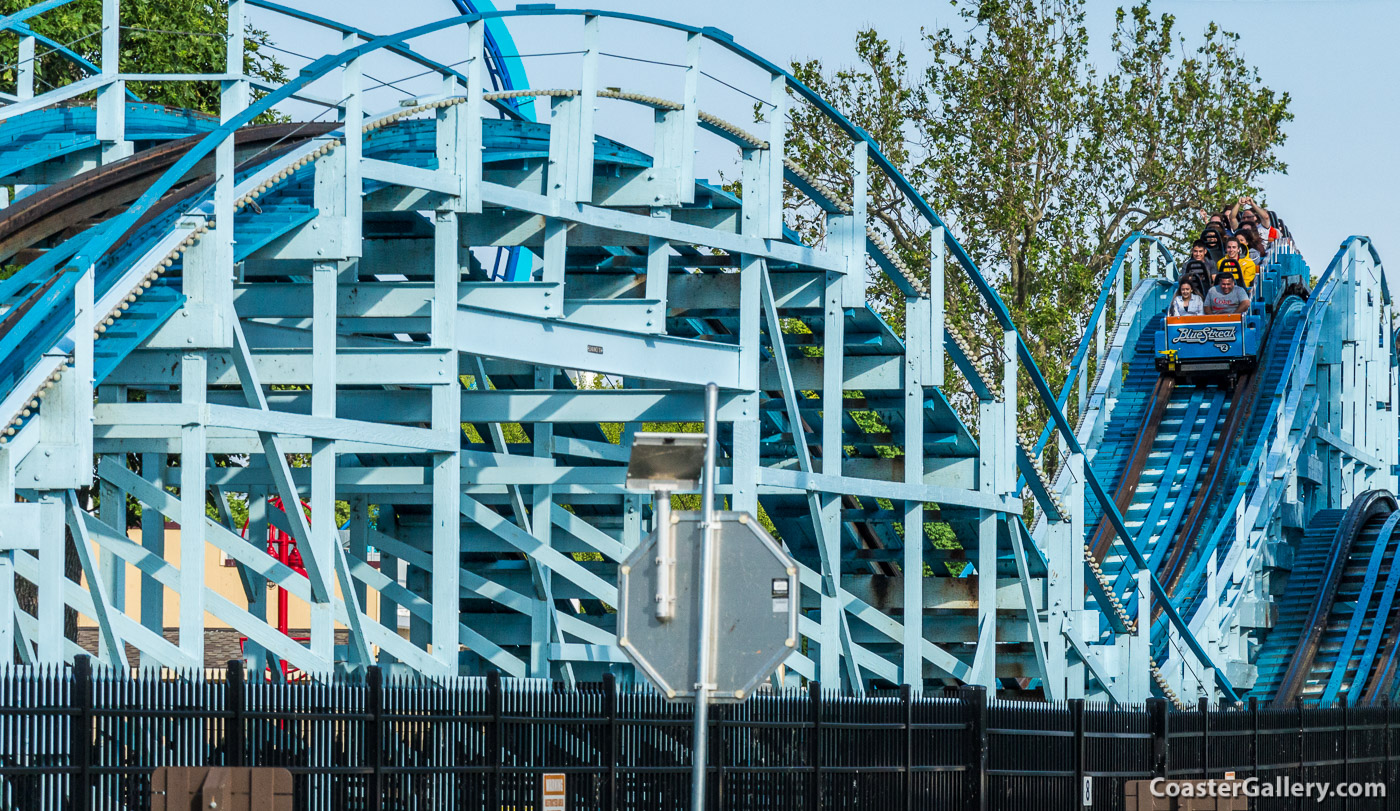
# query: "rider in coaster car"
{"type": "Point", "coordinates": [1234, 252]}
{"type": "Point", "coordinates": [1251, 244]}
{"type": "Point", "coordinates": [1198, 270]}
{"type": "Point", "coordinates": [1225, 297]}
{"type": "Point", "coordinates": [1247, 215]}
{"type": "Point", "coordinates": [1213, 237]}
{"type": "Point", "coordinates": [1186, 301]}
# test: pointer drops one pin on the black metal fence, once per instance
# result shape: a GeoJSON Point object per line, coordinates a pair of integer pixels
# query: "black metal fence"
{"type": "Point", "coordinates": [73, 738]}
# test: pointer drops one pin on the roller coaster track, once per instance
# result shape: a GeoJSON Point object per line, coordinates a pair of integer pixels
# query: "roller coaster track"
{"type": "Point", "coordinates": [1202, 478]}
{"type": "Point", "coordinates": [250, 295]}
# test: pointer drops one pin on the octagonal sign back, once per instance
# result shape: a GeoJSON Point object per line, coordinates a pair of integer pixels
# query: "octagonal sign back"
{"type": "Point", "coordinates": [754, 598]}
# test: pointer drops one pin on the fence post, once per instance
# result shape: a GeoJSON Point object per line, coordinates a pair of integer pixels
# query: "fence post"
{"type": "Point", "coordinates": [1302, 741]}
{"type": "Point", "coordinates": [1385, 707]}
{"type": "Point", "coordinates": [374, 736]}
{"type": "Point", "coordinates": [716, 747]}
{"type": "Point", "coordinates": [610, 710]}
{"type": "Point", "coordinates": [814, 747]}
{"type": "Point", "coordinates": [496, 702]}
{"type": "Point", "coordinates": [1254, 750]}
{"type": "Point", "coordinates": [1346, 746]}
{"type": "Point", "coordinates": [80, 697]}
{"type": "Point", "coordinates": [1078, 749]}
{"type": "Point", "coordinates": [1203, 707]}
{"type": "Point", "coordinates": [975, 747]}
{"type": "Point", "coordinates": [1157, 724]}
{"type": "Point", "coordinates": [906, 701]}
{"type": "Point", "coordinates": [235, 701]}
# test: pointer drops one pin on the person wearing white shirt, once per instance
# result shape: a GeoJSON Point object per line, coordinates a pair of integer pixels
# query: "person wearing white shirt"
{"type": "Point", "coordinates": [1186, 302]}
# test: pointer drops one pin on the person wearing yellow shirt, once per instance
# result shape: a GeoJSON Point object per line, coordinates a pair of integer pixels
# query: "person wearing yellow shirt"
{"type": "Point", "coordinates": [1247, 267]}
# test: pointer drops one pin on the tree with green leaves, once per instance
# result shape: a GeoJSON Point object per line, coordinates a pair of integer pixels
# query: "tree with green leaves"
{"type": "Point", "coordinates": [1042, 160]}
{"type": "Point", "coordinates": [158, 36]}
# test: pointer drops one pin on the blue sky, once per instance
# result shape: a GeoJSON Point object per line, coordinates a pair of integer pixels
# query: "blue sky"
{"type": "Point", "coordinates": [1337, 58]}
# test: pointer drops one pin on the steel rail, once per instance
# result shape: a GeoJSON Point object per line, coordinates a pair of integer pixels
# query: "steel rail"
{"type": "Point", "coordinates": [1299, 668]}
{"type": "Point", "coordinates": [1104, 533]}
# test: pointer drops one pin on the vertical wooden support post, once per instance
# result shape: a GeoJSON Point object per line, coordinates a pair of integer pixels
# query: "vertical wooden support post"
{"type": "Point", "coordinates": [257, 605]}
{"type": "Point", "coordinates": [581, 163]}
{"type": "Point", "coordinates": [691, 112]}
{"type": "Point", "coordinates": [469, 120]}
{"type": "Point", "coordinates": [325, 539]}
{"type": "Point", "coordinates": [24, 69]}
{"type": "Point", "coordinates": [542, 625]}
{"type": "Point", "coordinates": [745, 460]}
{"type": "Point", "coordinates": [1140, 644]}
{"type": "Point", "coordinates": [233, 99]}
{"type": "Point", "coordinates": [390, 567]}
{"type": "Point", "coordinates": [658, 275]}
{"type": "Point", "coordinates": [985, 659]}
{"type": "Point", "coordinates": [447, 467]}
{"type": "Point", "coordinates": [194, 449]}
{"type": "Point", "coordinates": [359, 541]}
{"type": "Point", "coordinates": [917, 345]}
{"type": "Point", "coordinates": [556, 234]}
{"type": "Point", "coordinates": [354, 150]}
{"type": "Point", "coordinates": [112, 510]}
{"type": "Point", "coordinates": [111, 98]}
{"type": "Point", "coordinates": [773, 157]}
{"type": "Point", "coordinates": [833, 354]}
{"type": "Point", "coordinates": [153, 541]}
{"type": "Point", "coordinates": [854, 238]}
{"type": "Point", "coordinates": [936, 287]}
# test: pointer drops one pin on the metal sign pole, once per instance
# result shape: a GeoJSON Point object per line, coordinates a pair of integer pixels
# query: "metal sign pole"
{"type": "Point", "coordinates": [703, 677]}
{"type": "Point", "coordinates": [665, 556]}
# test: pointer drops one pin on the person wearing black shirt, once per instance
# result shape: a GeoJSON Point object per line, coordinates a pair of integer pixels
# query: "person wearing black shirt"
{"type": "Point", "coordinates": [1198, 270]}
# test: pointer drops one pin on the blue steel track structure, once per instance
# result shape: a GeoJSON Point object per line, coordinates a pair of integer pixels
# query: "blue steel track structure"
{"type": "Point", "coordinates": [446, 302]}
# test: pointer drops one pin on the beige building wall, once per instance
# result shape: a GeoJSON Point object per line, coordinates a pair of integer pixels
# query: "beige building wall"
{"type": "Point", "coordinates": [222, 579]}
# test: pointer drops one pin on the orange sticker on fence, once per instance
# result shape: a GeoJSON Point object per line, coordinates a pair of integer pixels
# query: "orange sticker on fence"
{"type": "Point", "coordinates": [553, 794]}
